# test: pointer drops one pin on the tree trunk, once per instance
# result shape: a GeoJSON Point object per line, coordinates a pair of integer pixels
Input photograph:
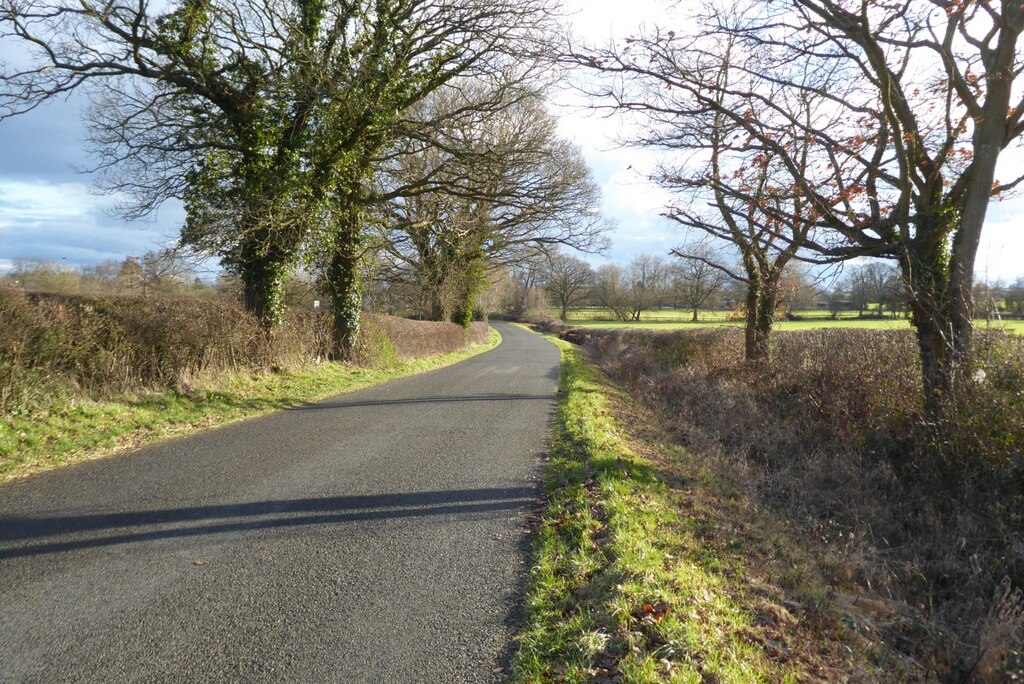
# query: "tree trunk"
{"type": "Point", "coordinates": [255, 299]}
{"type": "Point", "coordinates": [346, 294]}
{"type": "Point", "coordinates": [941, 315]}
{"type": "Point", "coordinates": [473, 279]}
{"type": "Point", "coordinates": [695, 315]}
{"type": "Point", "coordinates": [935, 363]}
{"type": "Point", "coordinates": [762, 297]}
{"type": "Point", "coordinates": [945, 346]}
{"type": "Point", "coordinates": [343, 284]}
{"type": "Point", "coordinates": [755, 341]}
{"type": "Point", "coordinates": [436, 312]}
{"type": "Point", "coordinates": [438, 291]}
{"type": "Point", "coordinates": [565, 312]}
{"type": "Point", "coordinates": [262, 272]}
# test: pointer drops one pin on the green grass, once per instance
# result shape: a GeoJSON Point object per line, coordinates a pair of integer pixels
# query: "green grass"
{"type": "Point", "coordinates": [81, 428]}
{"type": "Point", "coordinates": [584, 314]}
{"type": "Point", "coordinates": [624, 584]}
{"type": "Point", "coordinates": [1013, 326]}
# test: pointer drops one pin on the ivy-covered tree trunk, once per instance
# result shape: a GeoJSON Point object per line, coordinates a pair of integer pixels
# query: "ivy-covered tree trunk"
{"type": "Point", "coordinates": [343, 282]}
{"type": "Point", "coordinates": [942, 323]}
{"type": "Point", "coordinates": [438, 287]}
{"type": "Point", "coordinates": [345, 290]}
{"type": "Point", "coordinates": [263, 269]}
{"type": "Point", "coordinates": [762, 298]}
{"type": "Point", "coordinates": [437, 312]}
{"type": "Point", "coordinates": [473, 281]}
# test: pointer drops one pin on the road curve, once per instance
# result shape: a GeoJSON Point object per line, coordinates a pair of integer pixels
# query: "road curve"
{"type": "Point", "coordinates": [374, 537]}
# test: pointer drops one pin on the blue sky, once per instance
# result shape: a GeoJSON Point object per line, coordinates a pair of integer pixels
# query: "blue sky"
{"type": "Point", "coordinates": [49, 211]}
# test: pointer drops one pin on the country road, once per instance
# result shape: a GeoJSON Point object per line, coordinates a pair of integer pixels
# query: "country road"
{"type": "Point", "coordinates": [374, 537]}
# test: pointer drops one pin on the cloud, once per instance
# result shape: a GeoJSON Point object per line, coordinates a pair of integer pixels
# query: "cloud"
{"type": "Point", "coordinates": [65, 222]}
{"type": "Point", "coordinates": [597, 21]}
{"type": "Point", "coordinates": [45, 144]}
{"type": "Point", "coordinates": [47, 207]}
{"type": "Point", "coordinates": [1002, 246]}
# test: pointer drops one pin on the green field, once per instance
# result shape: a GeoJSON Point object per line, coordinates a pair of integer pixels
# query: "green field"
{"type": "Point", "coordinates": [593, 313]}
{"type": "Point", "coordinates": [814, 320]}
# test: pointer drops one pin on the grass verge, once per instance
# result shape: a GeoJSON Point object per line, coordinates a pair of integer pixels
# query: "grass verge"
{"type": "Point", "coordinates": [644, 573]}
{"type": "Point", "coordinates": [82, 429]}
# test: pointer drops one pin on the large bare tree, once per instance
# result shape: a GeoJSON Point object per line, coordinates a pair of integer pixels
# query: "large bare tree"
{"type": "Point", "coordinates": [696, 278]}
{"type": "Point", "coordinates": [491, 185]}
{"type": "Point", "coordinates": [630, 291]}
{"type": "Point", "coordinates": [918, 100]}
{"type": "Point", "coordinates": [568, 280]}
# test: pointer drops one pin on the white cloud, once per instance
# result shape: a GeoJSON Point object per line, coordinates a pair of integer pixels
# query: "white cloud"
{"type": "Point", "coordinates": [598, 21]}
{"type": "Point", "coordinates": [64, 222]}
{"type": "Point", "coordinates": [23, 202]}
{"type": "Point", "coordinates": [1001, 253]}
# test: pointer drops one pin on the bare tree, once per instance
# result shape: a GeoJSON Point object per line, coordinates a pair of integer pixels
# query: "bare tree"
{"type": "Point", "coordinates": [165, 270]}
{"type": "Point", "coordinates": [630, 291]}
{"type": "Point", "coordinates": [870, 284]}
{"type": "Point", "coordinates": [694, 279]}
{"type": "Point", "coordinates": [646, 274]}
{"type": "Point", "coordinates": [493, 184]}
{"type": "Point", "coordinates": [919, 99]}
{"type": "Point", "coordinates": [685, 93]}
{"type": "Point", "coordinates": [611, 290]}
{"type": "Point", "coordinates": [568, 280]}
{"type": "Point", "coordinates": [525, 293]}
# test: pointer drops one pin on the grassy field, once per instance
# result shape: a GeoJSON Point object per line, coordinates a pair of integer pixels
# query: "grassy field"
{"type": "Point", "coordinates": [664, 323]}
{"type": "Point", "coordinates": [593, 313]}
{"type": "Point", "coordinates": [643, 574]}
{"type": "Point", "coordinates": [83, 429]}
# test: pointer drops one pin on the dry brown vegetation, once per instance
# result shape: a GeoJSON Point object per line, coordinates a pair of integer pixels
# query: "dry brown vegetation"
{"type": "Point", "coordinates": [415, 339]}
{"type": "Point", "coordinates": [53, 345]}
{"type": "Point", "coordinates": [917, 528]}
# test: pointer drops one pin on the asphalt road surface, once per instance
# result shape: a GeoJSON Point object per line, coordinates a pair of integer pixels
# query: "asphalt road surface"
{"type": "Point", "coordinates": [374, 537]}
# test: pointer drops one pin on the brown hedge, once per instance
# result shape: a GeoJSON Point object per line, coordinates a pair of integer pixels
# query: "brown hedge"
{"type": "Point", "coordinates": [926, 515]}
{"type": "Point", "coordinates": [54, 344]}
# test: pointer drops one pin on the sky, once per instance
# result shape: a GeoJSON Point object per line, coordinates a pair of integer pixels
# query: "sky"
{"type": "Point", "coordinates": [50, 210]}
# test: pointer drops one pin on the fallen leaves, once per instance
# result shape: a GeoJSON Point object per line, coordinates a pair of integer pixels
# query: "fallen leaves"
{"type": "Point", "coordinates": [654, 613]}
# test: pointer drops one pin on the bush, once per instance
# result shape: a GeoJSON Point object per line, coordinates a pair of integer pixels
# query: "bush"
{"type": "Point", "coordinates": [414, 339]}
{"type": "Point", "coordinates": [54, 345]}
{"type": "Point", "coordinates": [831, 438]}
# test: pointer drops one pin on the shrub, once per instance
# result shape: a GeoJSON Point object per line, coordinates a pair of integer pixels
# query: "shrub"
{"type": "Point", "coordinates": [55, 345]}
{"type": "Point", "coordinates": [831, 438]}
{"type": "Point", "coordinates": [413, 339]}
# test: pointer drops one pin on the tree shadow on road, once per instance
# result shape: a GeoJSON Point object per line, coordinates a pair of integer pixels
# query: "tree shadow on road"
{"type": "Point", "coordinates": [340, 404]}
{"type": "Point", "coordinates": [32, 536]}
